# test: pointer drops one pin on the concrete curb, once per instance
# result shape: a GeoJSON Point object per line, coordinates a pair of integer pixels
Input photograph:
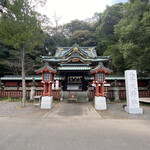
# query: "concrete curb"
{"type": "Point", "coordinates": [95, 111]}
{"type": "Point", "coordinates": [45, 115]}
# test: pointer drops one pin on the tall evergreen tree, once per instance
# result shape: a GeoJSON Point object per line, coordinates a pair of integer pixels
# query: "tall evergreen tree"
{"type": "Point", "coordinates": [20, 28]}
{"type": "Point", "coordinates": [134, 35]}
{"type": "Point", "coordinates": [105, 27]}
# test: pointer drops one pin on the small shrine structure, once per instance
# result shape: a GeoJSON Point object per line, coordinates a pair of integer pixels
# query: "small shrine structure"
{"type": "Point", "coordinates": [99, 80]}
{"type": "Point", "coordinates": [47, 80]}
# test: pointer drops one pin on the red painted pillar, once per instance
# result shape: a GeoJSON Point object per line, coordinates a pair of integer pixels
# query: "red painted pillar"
{"type": "Point", "coordinates": [50, 89]}
{"type": "Point", "coordinates": [44, 90]}
{"type": "Point", "coordinates": [97, 90]}
{"type": "Point", "coordinates": [102, 89]}
{"type": "Point", "coordinates": [89, 94]}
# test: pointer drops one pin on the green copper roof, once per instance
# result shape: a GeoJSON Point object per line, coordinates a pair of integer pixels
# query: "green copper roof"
{"type": "Point", "coordinates": [66, 53]}
{"type": "Point", "coordinates": [59, 78]}
{"type": "Point", "coordinates": [66, 59]}
{"type": "Point", "coordinates": [39, 77]}
{"type": "Point", "coordinates": [112, 77]}
{"type": "Point", "coordinates": [63, 51]}
{"type": "Point", "coordinates": [100, 66]}
{"type": "Point", "coordinates": [36, 77]}
{"type": "Point", "coordinates": [66, 68]}
{"type": "Point", "coordinates": [46, 65]}
{"type": "Point", "coordinates": [79, 48]}
{"type": "Point", "coordinates": [14, 77]}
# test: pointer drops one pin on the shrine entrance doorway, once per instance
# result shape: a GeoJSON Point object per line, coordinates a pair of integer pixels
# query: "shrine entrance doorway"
{"type": "Point", "coordinates": [75, 81]}
{"type": "Point", "coordinates": [75, 86]}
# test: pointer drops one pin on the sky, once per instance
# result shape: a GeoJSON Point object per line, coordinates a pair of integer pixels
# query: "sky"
{"type": "Point", "coordinates": [70, 10]}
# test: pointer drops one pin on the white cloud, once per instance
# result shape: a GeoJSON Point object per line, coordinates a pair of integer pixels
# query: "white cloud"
{"type": "Point", "coordinates": [70, 10]}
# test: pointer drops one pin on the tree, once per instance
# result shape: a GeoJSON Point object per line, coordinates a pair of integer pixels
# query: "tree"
{"type": "Point", "coordinates": [105, 27]}
{"type": "Point", "coordinates": [77, 25]}
{"type": "Point", "coordinates": [83, 38]}
{"type": "Point", "coordinates": [118, 62]}
{"type": "Point", "coordinates": [134, 36]}
{"type": "Point", "coordinates": [20, 27]}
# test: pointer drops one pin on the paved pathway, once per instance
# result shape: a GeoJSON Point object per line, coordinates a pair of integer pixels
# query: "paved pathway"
{"type": "Point", "coordinates": [73, 110]}
{"type": "Point", "coordinates": [73, 126]}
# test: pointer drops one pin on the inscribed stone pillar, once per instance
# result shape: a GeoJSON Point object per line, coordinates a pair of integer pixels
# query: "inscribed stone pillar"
{"type": "Point", "coordinates": [132, 93]}
{"type": "Point", "coordinates": [116, 94]}
{"type": "Point", "coordinates": [116, 91]}
{"type": "Point", "coordinates": [32, 93]}
{"type": "Point", "coordinates": [32, 89]}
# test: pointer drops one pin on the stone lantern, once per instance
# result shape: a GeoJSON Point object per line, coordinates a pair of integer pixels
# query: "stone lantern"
{"type": "Point", "coordinates": [47, 80]}
{"type": "Point", "coordinates": [32, 89]}
{"type": "Point", "coordinates": [99, 79]}
{"type": "Point", "coordinates": [116, 90]}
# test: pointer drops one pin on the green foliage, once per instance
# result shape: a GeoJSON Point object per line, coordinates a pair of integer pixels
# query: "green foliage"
{"type": "Point", "coordinates": [21, 28]}
{"type": "Point", "coordinates": [105, 29]}
{"type": "Point", "coordinates": [19, 25]}
{"type": "Point", "coordinates": [118, 63]}
{"type": "Point", "coordinates": [122, 31]}
{"type": "Point", "coordinates": [77, 25]}
{"type": "Point", "coordinates": [83, 38]}
{"type": "Point", "coordinates": [133, 32]}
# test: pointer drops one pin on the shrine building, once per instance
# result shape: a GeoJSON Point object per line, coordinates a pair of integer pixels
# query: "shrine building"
{"type": "Point", "coordinates": [73, 66]}
{"type": "Point", "coordinates": [72, 69]}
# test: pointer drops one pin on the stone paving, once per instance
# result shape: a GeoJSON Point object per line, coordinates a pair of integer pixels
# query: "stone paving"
{"type": "Point", "coordinates": [74, 111]}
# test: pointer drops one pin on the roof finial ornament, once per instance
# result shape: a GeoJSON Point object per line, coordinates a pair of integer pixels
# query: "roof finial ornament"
{"type": "Point", "coordinates": [100, 64]}
{"type": "Point", "coordinates": [46, 64]}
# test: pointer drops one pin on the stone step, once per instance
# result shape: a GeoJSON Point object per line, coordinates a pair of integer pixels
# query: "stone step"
{"type": "Point", "coordinates": [81, 96]}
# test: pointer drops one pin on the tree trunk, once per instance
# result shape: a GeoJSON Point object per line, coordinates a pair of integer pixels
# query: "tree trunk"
{"type": "Point", "coordinates": [23, 76]}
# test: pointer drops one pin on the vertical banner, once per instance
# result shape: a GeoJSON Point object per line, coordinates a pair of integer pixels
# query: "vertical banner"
{"type": "Point", "coordinates": [53, 86]}
{"type": "Point", "coordinates": [57, 84]}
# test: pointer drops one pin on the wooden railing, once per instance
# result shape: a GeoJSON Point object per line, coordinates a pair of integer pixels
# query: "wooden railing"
{"type": "Point", "coordinates": [18, 94]}
{"type": "Point", "coordinates": [122, 94]}
{"type": "Point", "coordinates": [56, 94]}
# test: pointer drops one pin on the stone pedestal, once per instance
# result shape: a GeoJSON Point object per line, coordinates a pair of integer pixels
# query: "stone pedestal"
{"type": "Point", "coordinates": [132, 93]}
{"type": "Point", "coordinates": [87, 95]}
{"type": "Point", "coordinates": [62, 95]}
{"type": "Point", "coordinates": [100, 103]}
{"type": "Point", "coordinates": [32, 93]}
{"type": "Point", "coordinates": [46, 102]}
{"type": "Point", "coordinates": [116, 94]}
{"type": "Point", "coordinates": [134, 110]}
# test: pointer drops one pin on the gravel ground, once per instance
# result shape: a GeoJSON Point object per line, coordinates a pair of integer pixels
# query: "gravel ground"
{"type": "Point", "coordinates": [117, 111]}
{"type": "Point", "coordinates": [14, 109]}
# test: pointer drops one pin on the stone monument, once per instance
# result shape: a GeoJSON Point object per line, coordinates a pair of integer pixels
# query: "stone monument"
{"type": "Point", "coordinates": [62, 95]}
{"type": "Point", "coordinates": [32, 89]}
{"type": "Point", "coordinates": [132, 93]}
{"type": "Point", "coordinates": [116, 91]}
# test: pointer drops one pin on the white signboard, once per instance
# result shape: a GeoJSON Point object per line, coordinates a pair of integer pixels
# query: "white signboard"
{"type": "Point", "coordinates": [94, 85]}
{"type": "Point", "coordinates": [57, 84]}
{"type": "Point", "coordinates": [53, 86]}
{"type": "Point", "coordinates": [132, 92]}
